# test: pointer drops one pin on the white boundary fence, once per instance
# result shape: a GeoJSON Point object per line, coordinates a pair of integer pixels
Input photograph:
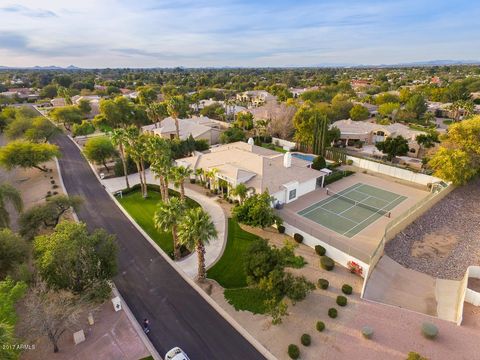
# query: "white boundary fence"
{"type": "Point", "coordinates": [393, 171]}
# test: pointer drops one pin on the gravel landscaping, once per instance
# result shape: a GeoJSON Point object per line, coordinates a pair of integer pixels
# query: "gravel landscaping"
{"type": "Point", "coordinates": [446, 239]}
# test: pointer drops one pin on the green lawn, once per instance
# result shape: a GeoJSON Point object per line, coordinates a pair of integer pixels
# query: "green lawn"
{"type": "Point", "coordinates": [248, 299]}
{"type": "Point", "coordinates": [229, 270]}
{"type": "Point", "coordinates": [274, 147]}
{"type": "Point", "coordinates": [142, 211]}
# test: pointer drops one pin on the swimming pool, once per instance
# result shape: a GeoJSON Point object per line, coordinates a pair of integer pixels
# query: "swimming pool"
{"type": "Point", "coordinates": [307, 157]}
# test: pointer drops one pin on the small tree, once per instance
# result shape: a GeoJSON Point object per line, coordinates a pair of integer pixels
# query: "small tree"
{"type": "Point", "coordinates": [256, 211]}
{"type": "Point", "coordinates": [11, 195]}
{"type": "Point", "coordinates": [393, 147]}
{"type": "Point", "coordinates": [47, 215]}
{"type": "Point", "coordinates": [232, 134]}
{"type": "Point", "coordinates": [41, 129]}
{"type": "Point", "coordinates": [70, 258]}
{"type": "Point", "coordinates": [84, 107]}
{"type": "Point", "coordinates": [241, 190]}
{"type": "Point", "coordinates": [359, 112]}
{"type": "Point", "coordinates": [99, 150]}
{"type": "Point", "coordinates": [319, 163]}
{"type": "Point", "coordinates": [13, 251]}
{"type": "Point", "coordinates": [26, 154]}
{"type": "Point", "coordinates": [167, 217]}
{"type": "Point", "coordinates": [51, 313]}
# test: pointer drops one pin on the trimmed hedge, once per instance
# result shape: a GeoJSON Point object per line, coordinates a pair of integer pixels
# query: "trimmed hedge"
{"type": "Point", "coordinates": [320, 326]}
{"type": "Point", "coordinates": [320, 250]}
{"type": "Point", "coordinates": [323, 284]}
{"type": "Point", "coordinates": [281, 229]}
{"type": "Point", "coordinates": [306, 340]}
{"type": "Point", "coordinates": [347, 289]}
{"type": "Point", "coordinates": [298, 238]}
{"type": "Point", "coordinates": [429, 330]}
{"type": "Point", "coordinates": [333, 313]}
{"type": "Point", "coordinates": [335, 176]}
{"type": "Point", "coordinates": [293, 351]}
{"type": "Point", "coordinates": [327, 263]}
{"type": "Point", "coordinates": [341, 300]}
{"type": "Point", "coordinates": [367, 332]}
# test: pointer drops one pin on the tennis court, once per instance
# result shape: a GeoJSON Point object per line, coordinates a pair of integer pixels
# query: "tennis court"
{"type": "Point", "coordinates": [351, 210]}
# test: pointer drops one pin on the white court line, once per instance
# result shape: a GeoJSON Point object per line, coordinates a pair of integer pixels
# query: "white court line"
{"type": "Point", "coordinates": [328, 202]}
{"type": "Point", "coordinates": [375, 213]}
{"type": "Point", "coordinates": [372, 196]}
{"type": "Point", "coordinates": [334, 213]}
{"type": "Point", "coordinates": [351, 207]}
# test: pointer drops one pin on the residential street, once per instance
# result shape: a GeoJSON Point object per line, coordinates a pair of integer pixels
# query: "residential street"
{"type": "Point", "coordinates": [178, 315]}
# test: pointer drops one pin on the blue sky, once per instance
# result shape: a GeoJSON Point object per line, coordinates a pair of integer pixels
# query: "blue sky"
{"type": "Point", "coordinates": [150, 33]}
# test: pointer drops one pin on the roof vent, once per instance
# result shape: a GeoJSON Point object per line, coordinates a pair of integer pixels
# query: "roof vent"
{"type": "Point", "coordinates": [250, 141]}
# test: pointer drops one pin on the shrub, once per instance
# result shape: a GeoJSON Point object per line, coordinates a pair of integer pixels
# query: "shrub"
{"type": "Point", "coordinates": [367, 332]}
{"type": "Point", "coordinates": [55, 186]}
{"type": "Point", "coordinates": [347, 289]}
{"type": "Point", "coordinates": [281, 229]}
{"type": "Point", "coordinates": [332, 312]}
{"type": "Point", "coordinates": [341, 300]}
{"type": "Point", "coordinates": [296, 288]}
{"type": "Point", "coordinates": [52, 182]}
{"type": "Point", "coordinates": [306, 340]}
{"type": "Point", "coordinates": [415, 356]}
{"type": "Point", "coordinates": [192, 181]}
{"type": "Point", "coordinates": [319, 163]}
{"type": "Point", "coordinates": [320, 250]}
{"type": "Point", "coordinates": [349, 162]}
{"type": "Point", "coordinates": [85, 128]}
{"type": "Point", "coordinates": [298, 238]}
{"type": "Point", "coordinates": [327, 263]}
{"type": "Point", "coordinates": [323, 284]}
{"type": "Point", "coordinates": [320, 326]}
{"type": "Point", "coordinates": [429, 330]}
{"type": "Point", "coordinates": [293, 351]}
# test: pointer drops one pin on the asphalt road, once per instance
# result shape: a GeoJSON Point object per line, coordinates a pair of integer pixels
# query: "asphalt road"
{"type": "Point", "coordinates": [178, 315]}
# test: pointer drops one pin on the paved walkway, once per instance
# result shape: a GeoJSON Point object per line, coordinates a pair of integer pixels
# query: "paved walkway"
{"type": "Point", "coordinates": [391, 283]}
{"type": "Point", "coordinates": [214, 250]}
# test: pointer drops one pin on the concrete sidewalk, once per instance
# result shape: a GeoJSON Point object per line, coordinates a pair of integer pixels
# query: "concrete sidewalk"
{"type": "Point", "coordinates": [214, 250]}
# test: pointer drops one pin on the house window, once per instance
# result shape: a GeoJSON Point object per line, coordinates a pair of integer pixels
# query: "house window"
{"type": "Point", "coordinates": [292, 194]}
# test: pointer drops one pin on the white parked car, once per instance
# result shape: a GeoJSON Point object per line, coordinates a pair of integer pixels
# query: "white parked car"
{"type": "Point", "coordinates": [176, 354]}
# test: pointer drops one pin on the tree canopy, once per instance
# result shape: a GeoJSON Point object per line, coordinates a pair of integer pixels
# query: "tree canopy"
{"type": "Point", "coordinates": [25, 154]}
{"type": "Point", "coordinates": [99, 150]}
{"type": "Point", "coordinates": [393, 147]}
{"type": "Point", "coordinates": [71, 258]}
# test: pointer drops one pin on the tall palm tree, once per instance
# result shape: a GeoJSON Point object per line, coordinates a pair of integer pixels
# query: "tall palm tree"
{"type": "Point", "coordinates": [195, 230]}
{"type": "Point", "coordinates": [160, 155]}
{"type": "Point", "coordinates": [156, 112]}
{"type": "Point", "coordinates": [199, 174]}
{"type": "Point", "coordinates": [136, 149]}
{"type": "Point", "coordinates": [11, 195]}
{"type": "Point", "coordinates": [120, 139]}
{"type": "Point", "coordinates": [175, 106]}
{"type": "Point", "coordinates": [211, 176]}
{"type": "Point", "coordinates": [167, 217]}
{"type": "Point", "coordinates": [179, 174]}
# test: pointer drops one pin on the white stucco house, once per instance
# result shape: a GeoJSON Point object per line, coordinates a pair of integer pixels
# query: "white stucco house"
{"type": "Point", "coordinates": [199, 127]}
{"type": "Point", "coordinates": [286, 178]}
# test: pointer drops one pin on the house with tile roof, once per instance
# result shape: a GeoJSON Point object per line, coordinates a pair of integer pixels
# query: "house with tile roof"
{"type": "Point", "coordinates": [286, 178]}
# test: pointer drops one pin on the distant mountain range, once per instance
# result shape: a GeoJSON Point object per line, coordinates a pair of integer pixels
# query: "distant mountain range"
{"type": "Point", "coordinates": [321, 65]}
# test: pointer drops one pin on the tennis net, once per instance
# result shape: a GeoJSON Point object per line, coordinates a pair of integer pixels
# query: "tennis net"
{"type": "Point", "coordinates": [358, 203]}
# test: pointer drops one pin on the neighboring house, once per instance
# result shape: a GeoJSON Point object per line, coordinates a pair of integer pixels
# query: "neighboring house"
{"type": "Point", "coordinates": [296, 92]}
{"type": "Point", "coordinates": [94, 101]}
{"type": "Point", "coordinates": [286, 178]}
{"type": "Point", "coordinates": [256, 97]}
{"type": "Point", "coordinates": [373, 109]}
{"type": "Point", "coordinates": [200, 127]}
{"type": "Point", "coordinates": [21, 93]}
{"type": "Point", "coordinates": [229, 109]}
{"type": "Point", "coordinates": [369, 133]}
{"type": "Point", "coordinates": [58, 102]}
{"type": "Point", "coordinates": [359, 84]}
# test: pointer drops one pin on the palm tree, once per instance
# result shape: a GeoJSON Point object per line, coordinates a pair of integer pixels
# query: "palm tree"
{"type": "Point", "coordinates": [120, 139]}
{"type": "Point", "coordinates": [199, 174]}
{"type": "Point", "coordinates": [241, 191]}
{"type": "Point", "coordinates": [156, 112]}
{"type": "Point", "coordinates": [175, 106]}
{"type": "Point", "coordinates": [136, 149]}
{"type": "Point", "coordinates": [160, 156]}
{"type": "Point", "coordinates": [195, 230]}
{"type": "Point", "coordinates": [167, 217]}
{"type": "Point", "coordinates": [179, 174]}
{"type": "Point", "coordinates": [210, 175]}
{"type": "Point", "coordinates": [9, 194]}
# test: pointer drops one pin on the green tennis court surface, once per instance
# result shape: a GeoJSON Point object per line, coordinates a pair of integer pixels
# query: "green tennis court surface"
{"type": "Point", "coordinates": [351, 210]}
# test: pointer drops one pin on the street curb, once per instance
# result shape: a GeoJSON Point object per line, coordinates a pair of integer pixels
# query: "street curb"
{"type": "Point", "coordinates": [255, 343]}
{"type": "Point", "coordinates": [141, 334]}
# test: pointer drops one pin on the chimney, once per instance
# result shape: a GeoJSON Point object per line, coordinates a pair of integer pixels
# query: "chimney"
{"type": "Point", "coordinates": [287, 159]}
